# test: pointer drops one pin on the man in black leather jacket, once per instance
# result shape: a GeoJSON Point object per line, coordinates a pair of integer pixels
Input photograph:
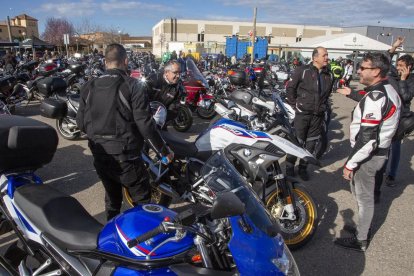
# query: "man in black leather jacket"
{"type": "Point", "coordinates": [166, 88]}
{"type": "Point", "coordinates": [115, 114]}
{"type": "Point", "coordinates": [308, 92]}
{"type": "Point", "coordinates": [405, 89]}
{"type": "Point", "coordinates": [401, 78]}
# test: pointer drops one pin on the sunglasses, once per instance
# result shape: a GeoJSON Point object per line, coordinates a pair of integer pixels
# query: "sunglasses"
{"type": "Point", "coordinates": [362, 68]}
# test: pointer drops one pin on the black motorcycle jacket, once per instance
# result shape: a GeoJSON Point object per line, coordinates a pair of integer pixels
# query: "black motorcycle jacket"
{"type": "Point", "coordinates": [115, 114]}
{"type": "Point", "coordinates": [161, 91]}
{"type": "Point", "coordinates": [406, 92]}
{"type": "Point", "coordinates": [309, 90]}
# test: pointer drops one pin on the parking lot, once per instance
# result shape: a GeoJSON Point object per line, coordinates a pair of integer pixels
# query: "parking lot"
{"type": "Point", "coordinates": [390, 252]}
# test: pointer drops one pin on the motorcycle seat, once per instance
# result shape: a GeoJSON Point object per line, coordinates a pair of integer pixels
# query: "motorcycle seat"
{"type": "Point", "coordinates": [181, 147]}
{"type": "Point", "coordinates": [60, 217]}
{"type": "Point", "coordinates": [74, 100]}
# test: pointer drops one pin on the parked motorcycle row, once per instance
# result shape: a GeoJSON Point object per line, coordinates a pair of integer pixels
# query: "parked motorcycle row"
{"type": "Point", "coordinates": [244, 216]}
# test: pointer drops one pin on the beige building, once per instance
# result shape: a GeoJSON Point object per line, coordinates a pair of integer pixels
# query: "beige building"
{"type": "Point", "coordinates": [22, 26]}
{"type": "Point", "coordinates": [99, 40]}
{"type": "Point", "coordinates": [210, 36]}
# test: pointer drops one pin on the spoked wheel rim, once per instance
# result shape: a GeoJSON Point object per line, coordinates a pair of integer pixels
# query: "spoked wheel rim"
{"type": "Point", "coordinates": [155, 197]}
{"type": "Point", "coordinates": [62, 125]}
{"type": "Point", "coordinates": [181, 120]}
{"type": "Point", "coordinates": [300, 230]}
{"type": "Point", "coordinates": [184, 120]}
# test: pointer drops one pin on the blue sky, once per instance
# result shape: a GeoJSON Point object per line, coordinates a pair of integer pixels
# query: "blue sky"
{"type": "Point", "coordinates": [138, 17]}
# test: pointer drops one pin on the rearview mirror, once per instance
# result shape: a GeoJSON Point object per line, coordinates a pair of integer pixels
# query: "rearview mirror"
{"type": "Point", "coordinates": [227, 205]}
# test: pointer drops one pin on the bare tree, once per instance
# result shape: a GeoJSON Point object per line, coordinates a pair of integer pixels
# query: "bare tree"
{"type": "Point", "coordinates": [112, 35]}
{"type": "Point", "coordinates": [55, 28]}
{"type": "Point", "coordinates": [88, 30]}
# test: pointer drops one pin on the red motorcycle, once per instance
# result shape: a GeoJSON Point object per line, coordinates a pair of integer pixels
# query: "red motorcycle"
{"type": "Point", "coordinates": [198, 99]}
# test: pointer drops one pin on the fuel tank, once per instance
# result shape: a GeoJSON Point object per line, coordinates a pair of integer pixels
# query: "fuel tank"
{"type": "Point", "coordinates": [135, 222]}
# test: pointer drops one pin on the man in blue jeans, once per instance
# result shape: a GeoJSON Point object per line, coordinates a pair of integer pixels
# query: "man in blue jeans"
{"type": "Point", "coordinates": [403, 82]}
{"type": "Point", "coordinates": [406, 91]}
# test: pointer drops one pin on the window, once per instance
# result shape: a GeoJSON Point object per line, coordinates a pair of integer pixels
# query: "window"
{"type": "Point", "coordinates": [20, 31]}
{"type": "Point", "coordinates": [1, 30]}
{"type": "Point", "coordinates": [200, 37]}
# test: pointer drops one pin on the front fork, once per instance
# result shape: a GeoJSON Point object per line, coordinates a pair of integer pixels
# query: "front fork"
{"type": "Point", "coordinates": [286, 190]}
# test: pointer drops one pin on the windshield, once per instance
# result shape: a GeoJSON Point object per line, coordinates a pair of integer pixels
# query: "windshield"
{"type": "Point", "coordinates": [194, 73]}
{"type": "Point", "coordinates": [220, 176]}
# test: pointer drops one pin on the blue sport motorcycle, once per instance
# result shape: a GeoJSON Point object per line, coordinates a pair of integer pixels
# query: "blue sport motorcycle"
{"type": "Point", "coordinates": [229, 233]}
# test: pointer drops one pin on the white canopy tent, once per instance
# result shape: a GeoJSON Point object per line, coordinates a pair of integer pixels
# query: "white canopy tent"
{"type": "Point", "coordinates": [340, 44]}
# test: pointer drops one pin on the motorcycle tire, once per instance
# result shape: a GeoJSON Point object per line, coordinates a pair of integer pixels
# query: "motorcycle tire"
{"type": "Point", "coordinates": [75, 88]}
{"type": "Point", "coordinates": [300, 231]}
{"type": "Point", "coordinates": [184, 119]}
{"type": "Point", "coordinates": [206, 113]}
{"type": "Point", "coordinates": [156, 197]}
{"type": "Point", "coordinates": [64, 131]}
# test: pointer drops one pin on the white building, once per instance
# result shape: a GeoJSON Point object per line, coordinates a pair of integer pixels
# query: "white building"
{"type": "Point", "coordinates": [210, 36]}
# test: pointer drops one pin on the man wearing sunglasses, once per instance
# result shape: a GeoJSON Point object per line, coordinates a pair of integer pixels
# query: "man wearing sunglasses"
{"type": "Point", "coordinates": [374, 122]}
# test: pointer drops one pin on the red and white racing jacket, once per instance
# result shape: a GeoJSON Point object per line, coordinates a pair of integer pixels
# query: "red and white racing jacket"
{"type": "Point", "coordinates": [374, 122]}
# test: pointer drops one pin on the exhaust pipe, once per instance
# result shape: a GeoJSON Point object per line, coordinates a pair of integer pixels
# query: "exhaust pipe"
{"type": "Point", "coordinates": [222, 110]}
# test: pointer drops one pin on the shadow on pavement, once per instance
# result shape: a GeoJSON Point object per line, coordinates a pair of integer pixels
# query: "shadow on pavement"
{"type": "Point", "coordinates": [71, 171]}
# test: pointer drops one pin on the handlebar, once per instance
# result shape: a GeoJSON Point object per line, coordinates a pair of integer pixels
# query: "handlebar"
{"type": "Point", "coordinates": [183, 219]}
{"type": "Point", "coordinates": [148, 235]}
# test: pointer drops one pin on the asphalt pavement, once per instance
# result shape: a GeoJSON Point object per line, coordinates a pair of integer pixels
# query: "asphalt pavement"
{"type": "Point", "coordinates": [390, 251]}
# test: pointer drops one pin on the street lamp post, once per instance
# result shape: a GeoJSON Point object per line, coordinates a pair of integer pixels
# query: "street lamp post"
{"type": "Point", "coordinates": [119, 32]}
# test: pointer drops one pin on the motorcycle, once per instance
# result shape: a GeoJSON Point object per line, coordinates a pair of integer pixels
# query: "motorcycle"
{"type": "Point", "coordinates": [61, 106]}
{"type": "Point", "coordinates": [4, 110]}
{"type": "Point", "coordinates": [12, 92]}
{"type": "Point", "coordinates": [267, 112]}
{"type": "Point", "coordinates": [196, 87]}
{"type": "Point", "coordinates": [289, 203]}
{"type": "Point", "coordinates": [58, 236]}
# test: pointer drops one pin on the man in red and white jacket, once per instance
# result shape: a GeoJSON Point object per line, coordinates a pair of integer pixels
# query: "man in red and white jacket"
{"type": "Point", "coordinates": [374, 122]}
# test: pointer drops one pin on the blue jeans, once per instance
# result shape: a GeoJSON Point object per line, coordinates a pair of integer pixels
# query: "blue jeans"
{"type": "Point", "coordinates": [394, 158]}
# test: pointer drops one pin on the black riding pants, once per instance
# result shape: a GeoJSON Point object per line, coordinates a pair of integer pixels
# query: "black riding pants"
{"type": "Point", "coordinates": [116, 174]}
{"type": "Point", "coordinates": [308, 131]}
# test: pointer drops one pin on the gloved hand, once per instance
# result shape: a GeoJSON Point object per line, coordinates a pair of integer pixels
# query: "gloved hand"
{"type": "Point", "coordinates": [168, 159]}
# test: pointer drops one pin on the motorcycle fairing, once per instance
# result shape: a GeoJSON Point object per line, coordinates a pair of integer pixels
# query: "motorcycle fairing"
{"type": "Point", "coordinates": [248, 259]}
{"type": "Point", "coordinates": [225, 132]}
{"type": "Point", "coordinates": [124, 271]}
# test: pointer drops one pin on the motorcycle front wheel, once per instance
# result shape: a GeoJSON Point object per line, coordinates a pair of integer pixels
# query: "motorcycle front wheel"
{"type": "Point", "coordinates": [184, 119]}
{"type": "Point", "coordinates": [156, 197]}
{"type": "Point", "coordinates": [298, 232]}
{"type": "Point", "coordinates": [63, 126]}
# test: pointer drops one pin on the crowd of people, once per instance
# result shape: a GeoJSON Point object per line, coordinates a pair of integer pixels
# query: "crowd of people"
{"type": "Point", "coordinates": [376, 119]}
{"type": "Point", "coordinates": [114, 113]}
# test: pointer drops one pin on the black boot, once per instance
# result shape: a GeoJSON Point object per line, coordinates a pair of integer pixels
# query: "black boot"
{"type": "Point", "coordinates": [352, 243]}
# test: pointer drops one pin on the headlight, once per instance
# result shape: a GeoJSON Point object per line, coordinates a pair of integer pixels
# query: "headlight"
{"type": "Point", "coordinates": [286, 263]}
